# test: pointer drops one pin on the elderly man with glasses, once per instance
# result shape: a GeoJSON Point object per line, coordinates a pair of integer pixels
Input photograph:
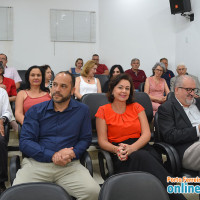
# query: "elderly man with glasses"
{"type": "Point", "coordinates": [182, 70]}
{"type": "Point", "coordinates": [179, 121]}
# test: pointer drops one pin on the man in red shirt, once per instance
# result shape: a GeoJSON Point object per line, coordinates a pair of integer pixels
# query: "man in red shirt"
{"type": "Point", "coordinates": [137, 75]}
{"type": "Point", "coordinates": [8, 84]}
{"type": "Point", "coordinates": [101, 68]}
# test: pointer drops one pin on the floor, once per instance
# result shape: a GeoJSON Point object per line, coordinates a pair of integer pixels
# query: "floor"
{"type": "Point", "coordinates": [93, 153]}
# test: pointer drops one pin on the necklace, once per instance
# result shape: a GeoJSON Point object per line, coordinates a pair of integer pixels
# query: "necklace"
{"type": "Point", "coordinates": [89, 79]}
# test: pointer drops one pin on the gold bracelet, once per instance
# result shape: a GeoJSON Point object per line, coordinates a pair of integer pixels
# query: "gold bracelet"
{"type": "Point", "coordinates": [114, 150]}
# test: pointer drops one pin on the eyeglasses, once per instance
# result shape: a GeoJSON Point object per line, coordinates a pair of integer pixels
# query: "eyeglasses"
{"type": "Point", "coordinates": [189, 90]}
{"type": "Point", "coordinates": [181, 69]}
{"type": "Point", "coordinates": [159, 70]}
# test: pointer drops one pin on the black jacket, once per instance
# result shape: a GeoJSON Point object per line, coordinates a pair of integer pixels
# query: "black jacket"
{"type": "Point", "coordinates": [175, 127]}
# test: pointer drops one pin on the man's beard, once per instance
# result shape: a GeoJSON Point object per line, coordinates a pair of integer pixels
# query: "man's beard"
{"type": "Point", "coordinates": [64, 99]}
{"type": "Point", "coordinates": [189, 102]}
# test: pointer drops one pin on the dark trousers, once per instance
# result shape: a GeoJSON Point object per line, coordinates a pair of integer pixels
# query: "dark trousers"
{"type": "Point", "coordinates": [146, 159]}
{"type": "Point", "coordinates": [3, 158]}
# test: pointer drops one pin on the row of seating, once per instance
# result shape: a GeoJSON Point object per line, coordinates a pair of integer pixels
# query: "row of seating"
{"type": "Point", "coordinates": [126, 186]}
{"type": "Point", "coordinates": [89, 99]}
{"type": "Point", "coordinates": [102, 78]}
{"type": "Point", "coordinates": [172, 163]}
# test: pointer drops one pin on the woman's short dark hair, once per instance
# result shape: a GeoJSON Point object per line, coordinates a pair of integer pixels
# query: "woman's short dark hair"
{"type": "Point", "coordinates": [78, 60]}
{"type": "Point", "coordinates": [114, 81]}
{"type": "Point", "coordinates": [45, 67]}
{"type": "Point", "coordinates": [42, 85]}
{"type": "Point", "coordinates": [113, 68]}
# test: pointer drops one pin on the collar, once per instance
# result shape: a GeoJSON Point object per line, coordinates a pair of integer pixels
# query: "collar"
{"type": "Point", "coordinates": [72, 104]}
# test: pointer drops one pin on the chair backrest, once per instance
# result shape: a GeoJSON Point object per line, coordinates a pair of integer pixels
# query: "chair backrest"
{"type": "Point", "coordinates": [133, 186]}
{"type": "Point", "coordinates": [22, 75]}
{"type": "Point", "coordinates": [94, 101]}
{"type": "Point", "coordinates": [143, 99]}
{"type": "Point", "coordinates": [35, 191]}
{"type": "Point", "coordinates": [76, 75]}
{"type": "Point", "coordinates": [169, 96]}
{"type": "Point", "coordinates": [157, 136]}
{"type": "Point", "coordinates": [141, 87]}
{"type": "Point", "coordinates": [103, 79]}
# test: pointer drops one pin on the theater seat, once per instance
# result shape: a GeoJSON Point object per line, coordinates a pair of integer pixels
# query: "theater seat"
{"type": "Point", "coordinates": [133, 186]}
{"type": "Point", "coordinates": [35, 191]}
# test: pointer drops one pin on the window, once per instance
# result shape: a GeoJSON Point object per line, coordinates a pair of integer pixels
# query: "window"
{"type": "Point", "coordinates": [6, 27]}
{"type": "Point", "coordinates": [73, 26]}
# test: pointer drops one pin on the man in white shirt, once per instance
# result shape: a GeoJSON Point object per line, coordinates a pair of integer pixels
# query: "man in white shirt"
{"type": "Point", "coordinates": [10, 72]}
{"type": "Point", "coordinates": [182, 70]}
{"type": "Point", "coordinates": [179, 122]}
{"type": "Point", "coordinates": [5, 116]}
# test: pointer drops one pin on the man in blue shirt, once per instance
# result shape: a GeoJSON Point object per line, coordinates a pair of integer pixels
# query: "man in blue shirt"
{"type": "Point", "coordinates": [168, 74]}
{"type": "Point", "coordinates": [54, 135]}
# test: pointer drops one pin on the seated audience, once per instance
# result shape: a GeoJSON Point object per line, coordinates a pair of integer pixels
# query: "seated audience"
{"type": "Point", "coordinates": [115, 70]}
{"type": "Point", "coordinates": [35, 92]}
{"type": "Point", "coordinates": [87, 83]}
{"type": "Point", "coordinates": [7, 84]}
{"type": "Point", "coordinates": [156, 87]}
{"type": "Point", "coordinates": [5, 116]}
{"type": "Point", "coordinates": [10, 72]}
{"type": "Point", "coordinates": [182, 70]}
{"type": "Point", "coordinates": [101, 68]}
{"type": "Point", "coordinates": [48, 75]}
{"type": "Point", "coordinates": [168, 73]}
{"type": "Point", "coordinates": [123, 130]}
{"type": "Point", "coordinates": [78, 66]}
{"type": "Point", "coordinates": [54, 135]}
{"type": "Point", "coordinates": [137, 75]}
{"type": "Point", "coordinates": [179, 121]}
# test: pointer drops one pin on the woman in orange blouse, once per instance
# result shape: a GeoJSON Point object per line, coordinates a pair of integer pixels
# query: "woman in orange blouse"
{"type": "Point", "coordinates": [123, 130]}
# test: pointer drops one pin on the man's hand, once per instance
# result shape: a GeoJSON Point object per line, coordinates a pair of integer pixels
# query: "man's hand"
{"type": "Point", "coordinates": [58, 160]}
{"type": "Point", "coordinates": [1, 127]}
{"type": "Point", "coordinates": [3, 86]}
{"type": "Point", "coordinates": [63, 156]}
{"type": "Point", "coordinates": [67, 152]}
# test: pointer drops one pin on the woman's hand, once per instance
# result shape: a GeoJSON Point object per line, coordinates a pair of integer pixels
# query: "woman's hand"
{"type": "Point", "coordinates": [159, 99]}
{"type": "Point", "coordinates": [123, 151]}
{"type": "Point", "coordinates": [162, 99]}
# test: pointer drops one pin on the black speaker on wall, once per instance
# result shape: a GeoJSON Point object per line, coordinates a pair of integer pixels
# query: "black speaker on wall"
{"type": "Point", "coordinates": [180, 6]}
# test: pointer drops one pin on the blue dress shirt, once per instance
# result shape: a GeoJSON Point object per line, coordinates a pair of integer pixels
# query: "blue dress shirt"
{"type": "Point", "coordinates": [46, 131]}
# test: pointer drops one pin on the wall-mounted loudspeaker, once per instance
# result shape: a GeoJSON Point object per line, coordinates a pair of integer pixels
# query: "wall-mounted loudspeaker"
{"type": "Point", "coordinates": [180, 6]}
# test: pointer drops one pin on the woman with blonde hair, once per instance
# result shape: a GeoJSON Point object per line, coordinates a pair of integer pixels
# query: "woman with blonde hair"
{"type": "Point", "coordinates": [86, 82]}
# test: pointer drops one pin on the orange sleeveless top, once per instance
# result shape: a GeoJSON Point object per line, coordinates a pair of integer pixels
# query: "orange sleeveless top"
{"type": "Point", "coordinates": [121, 127]}
{"type": "Point", "coordinates": [29, 101]}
